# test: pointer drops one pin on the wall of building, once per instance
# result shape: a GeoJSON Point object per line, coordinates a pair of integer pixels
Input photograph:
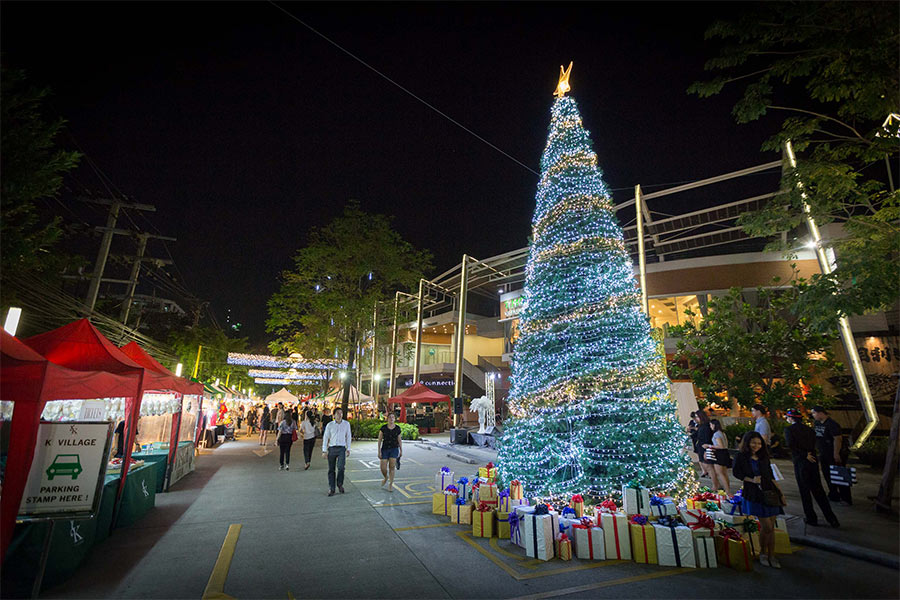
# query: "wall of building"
{"type": "Point", "coordinates": [677, 278]}
{"type": "Point", "coordinates": [476, 346]}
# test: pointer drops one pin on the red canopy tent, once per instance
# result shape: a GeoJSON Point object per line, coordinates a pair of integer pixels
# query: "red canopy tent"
{"type": "Point", "coordinates": [133, 351]}
{"type": "Point", "coordinates": [80, 346]}
{"type": "Point", "coordinates": [30, 380]}
{"type": "Point", "coordinates": [418, 393]}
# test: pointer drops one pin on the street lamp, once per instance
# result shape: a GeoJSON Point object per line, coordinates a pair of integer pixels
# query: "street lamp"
{"type": "Point", "coordinates": [11, 325]}
{"type": "Point", "coordinates": [342, 375]}
{"type": "Point", "coordinates": [178, 369]}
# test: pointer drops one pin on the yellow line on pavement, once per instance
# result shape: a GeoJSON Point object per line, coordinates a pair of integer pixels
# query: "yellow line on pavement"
{"type": "Point", "coordinates": [423, 526]}
{"type": "Point", "coordinates": [401, 503]}
{"type": "Point", "coordinates": [215, 587]}
{"type": "Point", "coordinates": [494, 559]}
{"type": "Point", "coordinates": [602, 584]}
{"type": "Point", "coordinates": [497, 548]}
{"type": "Point", "coordinates": [415, 479]}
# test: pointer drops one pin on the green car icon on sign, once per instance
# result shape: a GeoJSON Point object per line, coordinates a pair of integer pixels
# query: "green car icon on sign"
{"type": "Point", "coordinates": [65, 464]}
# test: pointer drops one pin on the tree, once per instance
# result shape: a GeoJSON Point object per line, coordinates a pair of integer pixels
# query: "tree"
{"type": "Point", "coordinates": [33, 169]}
{"type": "Point", "coordinates": [833, 70]}
{"type": "Point", "coordinates": [325, 303]}
{"type": "Point", "coordinates": [590, 410]}
{"type": "Point", "coordinates": [759, 353]}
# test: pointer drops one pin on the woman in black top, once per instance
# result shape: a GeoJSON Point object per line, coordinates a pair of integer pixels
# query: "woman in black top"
{"type": "Point", "coordinates": [762, 497]}
{"type": "Point", "coordinates": [704, 436]}
{"type": "Point", "coordinates": [390, 449]}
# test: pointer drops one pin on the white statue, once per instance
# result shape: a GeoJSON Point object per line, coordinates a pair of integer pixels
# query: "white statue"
{"type": "Point", "coordinates": [484, 406]}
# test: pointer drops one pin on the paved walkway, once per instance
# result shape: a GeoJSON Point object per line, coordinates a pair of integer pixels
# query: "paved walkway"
{"type": "Point", "coordinates": [295, 542]}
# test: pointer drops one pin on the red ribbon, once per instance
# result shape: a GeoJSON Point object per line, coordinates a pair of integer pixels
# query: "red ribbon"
{"type": "Point", "coordinates": [704, 521]}
{"type": "Point", "coordinates": [609, 505]}
{"type": "Point", "coordinates": [616, 535]}
{"type": "Point", "coordinates": [644, 533]}
{"type": "Point", "coordinates": [490, 466]}
{"type": "Point", "coordinates": [577, 498]}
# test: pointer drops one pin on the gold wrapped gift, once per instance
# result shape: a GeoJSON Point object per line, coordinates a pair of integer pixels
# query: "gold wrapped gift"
{"type": "Point", "coordinates": [483, 523]}
{"type": "Point", "coordinates": [441, 503]}
{"type": "Point", "coordinates": [502, 525]}
{"type": "Point", "coordinates": [643, 543]}
{"type": "Point", "coordinates": [461, 513]}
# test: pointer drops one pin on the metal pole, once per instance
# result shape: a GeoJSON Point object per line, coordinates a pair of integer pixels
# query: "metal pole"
{"type": "Point", "coordinates": [416, 363]}
{"type": "Point", "coordinates": [197, 362]}
{"type": "Point", "coordinates": [135, 271]}
{"type": "Point", "coordinates": [461, 326]}
{"type": "Point", "coordinates": [392, 386]}
{"type": "Point", "coordinates": [825, 257]}
{"type": "Point", "coordinates": [42, 565]}
{"type": "Point", "coordinates": [373, 383]}
{"type": "Point", "coordinates": [102, 255]}
{"type": "Point", "coordinates": [642, 263]}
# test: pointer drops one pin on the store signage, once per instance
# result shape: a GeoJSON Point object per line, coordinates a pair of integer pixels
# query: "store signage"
{"type": "Point", "coordinates": [92, 410]}
{"type": "Point", "coordinates": [511, 305]}
{"type": "Point", "coordinates": [436, 383]}
{"type": "Point", "coordinates": [68, 469]}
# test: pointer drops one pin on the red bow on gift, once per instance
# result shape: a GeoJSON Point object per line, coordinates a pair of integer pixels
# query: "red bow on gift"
{"type": "Point", "coordinates": [562, 537]}
{"type": "Point", "coordinates": [704, 521]}
{"type": "Point", "coordinates": [705, 496]}
{"type": "Point", "coordinates": [484, 507]}
{"type": "Point", "coordinates": [490, 466]}
{"type": "Point", "coordinates": [729, 533]}
{"type": "Point", "coordinates": [577, 498]}
{"type": "Point", "coordinates": [514, 482]}
{"type": "Point", "coordinates": [609, 505]}
{"type": "Point", "coordinates": [587, 522]}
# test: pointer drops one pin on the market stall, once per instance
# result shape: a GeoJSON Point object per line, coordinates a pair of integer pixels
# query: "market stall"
{"type": "Point", "coordinates": [283, 396]}
{"type": "Point", "coordinates": [417, 394]}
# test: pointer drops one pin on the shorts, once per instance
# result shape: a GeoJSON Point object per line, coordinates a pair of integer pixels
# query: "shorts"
{"type": "Point", "coordinates": [387, 453]}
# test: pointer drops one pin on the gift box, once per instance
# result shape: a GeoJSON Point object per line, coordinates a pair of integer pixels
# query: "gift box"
{"type": "Point", "coordinates": [442, 503]}
{"type": "Point", "coordinates": [732, 505]}
{"type": "Point", "coordinates": [705, 500]}
{"type": "Point", "coordinates": [577, 504]}
{"type": "Point", "coordinates": [461, 513]}
{"type": "Point", "coordinates": [565, 547]}
{"type": "Point", "coordinates": [636, 500]}
{"type": "Point", "coordinates": [643, 540]}
{"type": "Point", "coordinates": [516, 490]}
{"type": "Point", "coordinates": [733, 551]}
{"type": "Point", "coordinates": [516, 527]}
{"type": "Point", "coordinates": [589, 541]}
{"type": "Point", "coordinates": [736, 521]}
{"type": "Point", "coordinates": [692, 515]}
{"type": "Point", "coordinates": [488, 472]}
{"type": "Point", "coordinates": [662, 506]}
{"type": "Point", "coordinates": [705, 552]}
{"type": "Point", "coordinates": [564, 526]}
{"type": "Point", "coordinates": [483, 522]}
{"type": "Point", "coordinates": [538, 534]}
{"type": "Point", "coordinates": [502, 522]}
{"type": "Point", "coordinates": [615, 535]}
{"type": "Point", "coordinates": [443, 478]}
{"type": "Point", "coordinates": [522, 512]}
{"type": "Point", "coordinates": [487, 492]}
{"type": "Point", "coordinates": [674, 545]}
{"type": "Point", "coordinates": [782, 542]}
{"type": "Point", "coordinates": [703, 526]}
{"type": "Point", "coordinates": [747, 526]}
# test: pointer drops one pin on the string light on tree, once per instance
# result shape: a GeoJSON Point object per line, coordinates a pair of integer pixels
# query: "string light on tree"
{"type": "Point", "coordinates": [590, 409]}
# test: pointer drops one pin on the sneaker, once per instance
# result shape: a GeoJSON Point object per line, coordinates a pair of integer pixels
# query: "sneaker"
{"type": "Point", "coordinates": [331, 492]}
{"type": "Point", "coordinates": [306, 467]}
{"type": "Point", "coordinates": [281, 467]}
{"type": "Point", "coordinates": [340, 487]}
{"type": "Point", "coordinates": [287, 467]}
{"type": "Point", "coordinates": [764, 560]}
{"type": "Point", "coordinates": [773, 562]}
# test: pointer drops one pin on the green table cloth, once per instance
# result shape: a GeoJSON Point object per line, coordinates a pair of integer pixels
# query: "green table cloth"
{"type": "Point", "coordinates": [159, 459]}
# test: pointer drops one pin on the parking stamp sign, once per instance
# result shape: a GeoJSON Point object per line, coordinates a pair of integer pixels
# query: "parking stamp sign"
{"type": "Point", "coordinates": [69, 461]}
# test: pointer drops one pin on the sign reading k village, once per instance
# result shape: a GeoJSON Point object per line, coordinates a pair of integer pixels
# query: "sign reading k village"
{"type": "Point", "coordinates": [69, 460]}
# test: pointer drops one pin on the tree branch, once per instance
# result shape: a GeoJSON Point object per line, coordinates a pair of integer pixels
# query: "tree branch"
{"type": "Point", "coordinates": [821, 116]}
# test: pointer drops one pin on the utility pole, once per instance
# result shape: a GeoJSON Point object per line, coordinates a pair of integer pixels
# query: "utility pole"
{"type": "Point", "coordinates": [136, 269]}
{"type": "Point", "coordinates": [103, 253]}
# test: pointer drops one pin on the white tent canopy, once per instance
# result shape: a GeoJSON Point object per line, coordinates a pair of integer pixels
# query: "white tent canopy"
{"type": "Point", "coordinates": [282, 396]}
{"type": "Point", "coordinates": [356, 396]}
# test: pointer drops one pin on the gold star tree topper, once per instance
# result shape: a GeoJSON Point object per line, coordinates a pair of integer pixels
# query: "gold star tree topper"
{"type": "Point", "coordinates": [563, 86]}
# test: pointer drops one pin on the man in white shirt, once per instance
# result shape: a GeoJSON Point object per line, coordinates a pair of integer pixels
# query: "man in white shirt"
{"type": "Point", "coordinates": [762, 423]}
{"type": "Point", "coordinates": [336, 446]}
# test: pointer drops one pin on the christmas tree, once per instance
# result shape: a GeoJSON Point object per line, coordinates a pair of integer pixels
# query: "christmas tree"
{"type": "Point", "coordinates": [590, 409]}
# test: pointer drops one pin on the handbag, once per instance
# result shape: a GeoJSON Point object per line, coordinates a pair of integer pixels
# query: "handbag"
{"type": "Point", "coordinates": [294, 436]}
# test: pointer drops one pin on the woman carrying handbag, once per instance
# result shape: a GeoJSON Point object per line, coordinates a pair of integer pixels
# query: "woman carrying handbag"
{"type": "Point", "coordinates": [762, 497]}
{"type": "Point", "coordinates": [287, 435]}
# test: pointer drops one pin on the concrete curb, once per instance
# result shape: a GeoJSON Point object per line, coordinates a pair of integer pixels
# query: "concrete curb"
{"type": "Point", "coordinates": [459, 457]}
{"type": "Point", "coordinates": [845, 549]}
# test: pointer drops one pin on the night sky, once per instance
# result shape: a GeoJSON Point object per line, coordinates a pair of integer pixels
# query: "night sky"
{"type": "Point", "coordinates": [245, 128]}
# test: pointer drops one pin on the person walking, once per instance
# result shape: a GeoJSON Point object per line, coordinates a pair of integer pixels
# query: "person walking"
{"type": "Point", "coordinates": [308, 429]}
{"type": "Point", "coordinates": [704, 437]}
{"type": "Point", "coordinates": [390, 449]}
{"type": "Point", "coordinates": [762, 497]}
{"type": "Point", "coordinates": [832, 451]}
{"type": "Point", "coordinates": [336, 446]}
{"type": "Point", "coordinates": [264, 426]}
{"type": "Point", "coordinates": [801, 440]}
{"type": "Point", "coordinates": [276, 421]}
{"type": "Point", "coordinates": [287, 427]}
{"type": "Point", "coordinates": [717, 453]}
{"type": "Point", "coordinates": [762, 426]}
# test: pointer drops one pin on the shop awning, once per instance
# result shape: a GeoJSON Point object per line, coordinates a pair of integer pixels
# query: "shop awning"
{"type": "Point", "coordinates": [282, 396]}
{"type": "Point", "coordinates": [183, 386]}
{"type": "Point", "coordinates": [418, 393]}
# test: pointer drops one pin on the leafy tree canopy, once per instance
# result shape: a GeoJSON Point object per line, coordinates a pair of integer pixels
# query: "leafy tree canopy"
{"type": "Point", "coordinates": [833, 70]}
{"type": "Point", "coordinates": [327, 300]}
{"type": "Point", "coordinates": [32, 170]}
{"type": "Point", "coordinates": [213, 358]}
{"type": "Point", "coordinates": [757, 353]}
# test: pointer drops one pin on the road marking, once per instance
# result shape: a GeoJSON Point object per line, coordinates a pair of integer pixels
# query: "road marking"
{"type": "Point", "coordinates": [416, 479]}
{"type": "Point", "coordinates": [263, 452]}
{"type": "Point", "coordinates": [602, 584]}
{"type": "Point", "coordinates": [370, 464]}
{"type": "Point", "coordinates": [215, 587]}
{"type": "Point", "coordinates": [401, 503]}
{"type": "Point", "coordinates": [423, 526]}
